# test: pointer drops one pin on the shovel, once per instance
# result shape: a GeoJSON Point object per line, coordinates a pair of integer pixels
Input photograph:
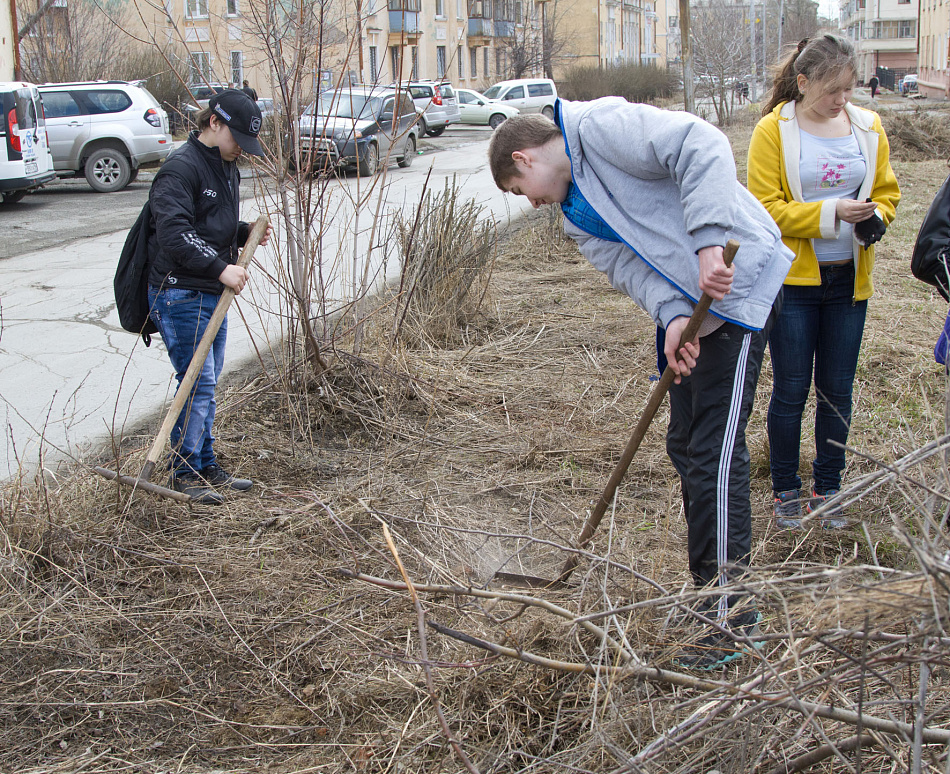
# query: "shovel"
{"type": "Point", "coordinates": [188, 381]}
{"type": "Point", "coordinates": [653, 405]}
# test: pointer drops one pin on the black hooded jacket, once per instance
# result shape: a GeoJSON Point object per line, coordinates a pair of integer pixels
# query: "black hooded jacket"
{"type": "Point", "coordinates": [194, 202]}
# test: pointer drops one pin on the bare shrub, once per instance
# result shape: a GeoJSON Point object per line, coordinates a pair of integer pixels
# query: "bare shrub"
{"type": "Point", "coordinates": [918, 135]}
{"type": "Point", "coordinates": [635, 83]}
{"type": "Point", "coordinates": [447, 251]}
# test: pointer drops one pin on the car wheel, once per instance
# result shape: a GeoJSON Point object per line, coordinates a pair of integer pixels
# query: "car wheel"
{"type": "Point", "coordinates": [496, 120]}
{"type": "Point", "coordinates": [12, 197]}
{"type": "Point", "coordinates": [133, 175]}
{"type": "Point", "coordinates": [369, 164]}
{"type": "Point", "coordinates": [548, 112]}
{"type": "Point", "coordinates": [408, 153]}
{"type": "Point", "coordinates": [435, 132]}
{"type": "Point", "coordinates": [108, 170]}
{"type": "Point", "coordinates": [423, 126]}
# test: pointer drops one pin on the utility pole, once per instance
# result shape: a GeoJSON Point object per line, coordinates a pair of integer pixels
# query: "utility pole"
{"type": "Point", "coordinates": [781, 24]}
{"type": "Point", "coordinates": [687, 57]}
{"type": "Point", "coordinates": [752, 95]}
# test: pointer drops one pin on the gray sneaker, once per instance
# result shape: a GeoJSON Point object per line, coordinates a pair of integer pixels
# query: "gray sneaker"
{"type": "Point", "coordinates": [788, 509]}
{"type": "Point", "coordinates": [831, 518]}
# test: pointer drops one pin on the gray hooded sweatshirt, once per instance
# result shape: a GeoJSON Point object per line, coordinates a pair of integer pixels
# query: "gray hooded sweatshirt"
{"type": "Point", "coordinates": [665, 182]}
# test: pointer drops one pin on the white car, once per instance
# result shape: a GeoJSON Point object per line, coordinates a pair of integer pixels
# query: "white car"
{"type": "Point", "coordinates": [529, 95]}
{"type": "Point", "coordinates": [478, 109]}
{"type": "Point", "coordinates": [104, 130]}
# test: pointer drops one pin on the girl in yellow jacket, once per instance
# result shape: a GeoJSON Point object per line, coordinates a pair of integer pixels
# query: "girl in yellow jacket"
{"type": "Point", "coordinates": [821, 167]}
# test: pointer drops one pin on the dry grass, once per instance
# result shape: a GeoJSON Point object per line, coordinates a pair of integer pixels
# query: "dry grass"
{"type": "Point", "coordinates": [148, 637]}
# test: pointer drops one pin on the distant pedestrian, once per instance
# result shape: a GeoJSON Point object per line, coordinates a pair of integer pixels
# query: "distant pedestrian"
{"type": "Point", "coordinates": [249, 90]}
{"type": "Point", "coordinates": [874, 83]}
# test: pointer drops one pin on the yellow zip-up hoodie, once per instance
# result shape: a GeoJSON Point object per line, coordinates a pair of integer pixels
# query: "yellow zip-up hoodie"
{"type": "Point", "coordinates": [775, 181]}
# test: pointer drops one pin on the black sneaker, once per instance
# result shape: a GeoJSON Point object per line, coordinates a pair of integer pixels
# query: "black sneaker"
{"type": "Point", "coordinates": [218, 477]}
{"type": "Point", "coordinates": [788, 509]}
{"type": "Point", "coordinates": [196, 488]}
{"type": "Point", "coordinates": [715, 649]}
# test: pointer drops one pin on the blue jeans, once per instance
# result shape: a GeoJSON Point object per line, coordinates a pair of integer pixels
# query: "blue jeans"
{"type": "Point", "coordinates": [819, 328]}
{"type": "Point", "coordinates": [181, 316]}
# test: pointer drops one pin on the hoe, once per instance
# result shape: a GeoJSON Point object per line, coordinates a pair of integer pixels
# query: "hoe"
{"type": "Point", "coordinates": [653, 405]}
{"type": "Point", "coordinates": [187, 382]}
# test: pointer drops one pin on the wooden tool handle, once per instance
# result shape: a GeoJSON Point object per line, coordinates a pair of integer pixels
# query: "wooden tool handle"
{"type": "Point", "coordinates": [201, 352]}
{"type": "Point", "coordinates": [653, 405]}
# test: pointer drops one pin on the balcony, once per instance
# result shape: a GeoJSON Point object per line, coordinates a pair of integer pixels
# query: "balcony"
{"type": "Point", "coordinates": [404, 21]}
{"type": "Point", "coordinates": [503, 29]}
{"type": "Point", "coordinates": [481, 28]}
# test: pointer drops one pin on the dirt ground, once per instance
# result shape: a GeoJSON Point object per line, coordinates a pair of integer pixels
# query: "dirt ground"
{"type": "Point", "coordinates": [151, 637]}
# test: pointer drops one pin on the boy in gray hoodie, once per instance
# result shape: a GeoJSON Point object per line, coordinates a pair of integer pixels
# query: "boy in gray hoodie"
{"type": "Point", "coordinates": [651, 197]}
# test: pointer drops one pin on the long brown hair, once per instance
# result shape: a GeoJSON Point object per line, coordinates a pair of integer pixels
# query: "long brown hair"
{"type": "Point", "coordinates": [824, 58]}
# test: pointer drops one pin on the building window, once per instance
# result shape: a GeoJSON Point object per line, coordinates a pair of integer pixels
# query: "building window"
{"type": "Point", "coordinates": [675, 21]}
{"type": "Point", "coordinates": [237, 68]}
{"type": "Point", "coordinates": [440, 8]}
{"type": "Point", "coordinates": [460, 9]}
{"type": "Point", "coordinates": [485, 61]}
{"type": "Point", "coordinates": [461, 61]}
{"type": "Point", "coordinates": [473, 57]}
{"type": "Point", "coordinates": [233, 9]}
{"type": "Point", "coordinates": [196, 9]}
{"type": "Point", "coordinates": [499, 62]}
{"type": "Point", "coordinates": [373, 64]}
{"type": "Point", "coordinates": [907, 28]}
{"type": "Point", "coordinates": [200, 67]}
{"type": "Point", "coordinates": [414, 76]}
{"type": "Point", "coordinates": [440, 61]}
{"type": "Point", "coordinates": [394, 62]}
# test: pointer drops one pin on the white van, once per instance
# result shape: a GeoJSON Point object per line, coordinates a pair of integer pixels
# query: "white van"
{"type": "Point", "coordinates": [529, 95]}
{"type": "Point", "coordinates": [25, 160]}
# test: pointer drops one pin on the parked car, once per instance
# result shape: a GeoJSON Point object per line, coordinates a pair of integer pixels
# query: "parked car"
{"type": "Point", "coordinates": [529, 95]}
{"type": "Point", "coordinates": [266, 104]}
{"type": "Point", "coordinates": [438, 103]}
{"type": "Point", "coordinates": [358, 126]}
{"type": "Point", "coordinates": [105, 130]}
{"type": "Point", "coordinates": [476, 109]}
{"type": "Point", "coordinates": [205, 91]}
{"type": "Point", "coordinates": [25, 160]}
{"type": "Point", "coordinates": [908, 84]}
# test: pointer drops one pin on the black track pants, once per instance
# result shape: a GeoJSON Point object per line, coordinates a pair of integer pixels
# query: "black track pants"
{"type": "Point", "coordinates": [706, 442]}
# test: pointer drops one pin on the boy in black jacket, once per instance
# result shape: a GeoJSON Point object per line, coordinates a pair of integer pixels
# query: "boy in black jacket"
{"type": "Point", "coordinates": [192, 255]}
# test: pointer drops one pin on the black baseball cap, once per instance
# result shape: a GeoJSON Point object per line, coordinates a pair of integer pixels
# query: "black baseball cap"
{"type": "Point", "coordinates": [242, 115]}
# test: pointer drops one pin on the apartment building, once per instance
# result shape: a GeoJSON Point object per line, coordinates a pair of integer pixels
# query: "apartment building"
{"type": "Point", "coordinates": [933, 65]}
{"type": "Point", "coordinates": [885, 37]}
{"type": "Point", "coordinates": [471, 43]}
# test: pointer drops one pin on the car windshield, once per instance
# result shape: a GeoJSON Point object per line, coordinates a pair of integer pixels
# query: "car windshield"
{"type": "Point", "coordinates": [493, 92]}
{"type": "Point", "coordinates": [346, 105]}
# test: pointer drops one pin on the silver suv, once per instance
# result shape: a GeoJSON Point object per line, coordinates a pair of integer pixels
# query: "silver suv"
{"type": "Point", "coordinates": [438, 103]}
{"type": "Point", "coordinates": [104, 130]}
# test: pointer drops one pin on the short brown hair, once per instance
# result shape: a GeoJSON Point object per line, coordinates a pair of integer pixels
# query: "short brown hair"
{"type": "Point", "coordinates": [517, 133]}
{"type": "Point", "coordinates": [203, 118]}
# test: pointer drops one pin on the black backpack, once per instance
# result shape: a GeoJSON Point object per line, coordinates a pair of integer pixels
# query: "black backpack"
{"type": "Point", "coordinates": [929, 259]}
{"type": "Point", "coordinates": [131, 279]}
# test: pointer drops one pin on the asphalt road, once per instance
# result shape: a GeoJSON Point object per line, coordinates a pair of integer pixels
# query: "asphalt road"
{"type": "Point", "coordinates": [69, 209]}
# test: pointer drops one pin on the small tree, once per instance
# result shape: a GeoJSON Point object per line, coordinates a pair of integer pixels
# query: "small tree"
{"type": "Point", "coordinates": [79, 41]}
{"type": "Point", "coordinates": [720, 53]}
{"type": "Point", "coordinates": [540, 38]}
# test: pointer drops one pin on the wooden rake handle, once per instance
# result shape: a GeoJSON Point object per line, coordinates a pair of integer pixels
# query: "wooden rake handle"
{"type": "Point", "coordinates": [201, 353]}
{"type": "Point", "coordinates": [653, 405]}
